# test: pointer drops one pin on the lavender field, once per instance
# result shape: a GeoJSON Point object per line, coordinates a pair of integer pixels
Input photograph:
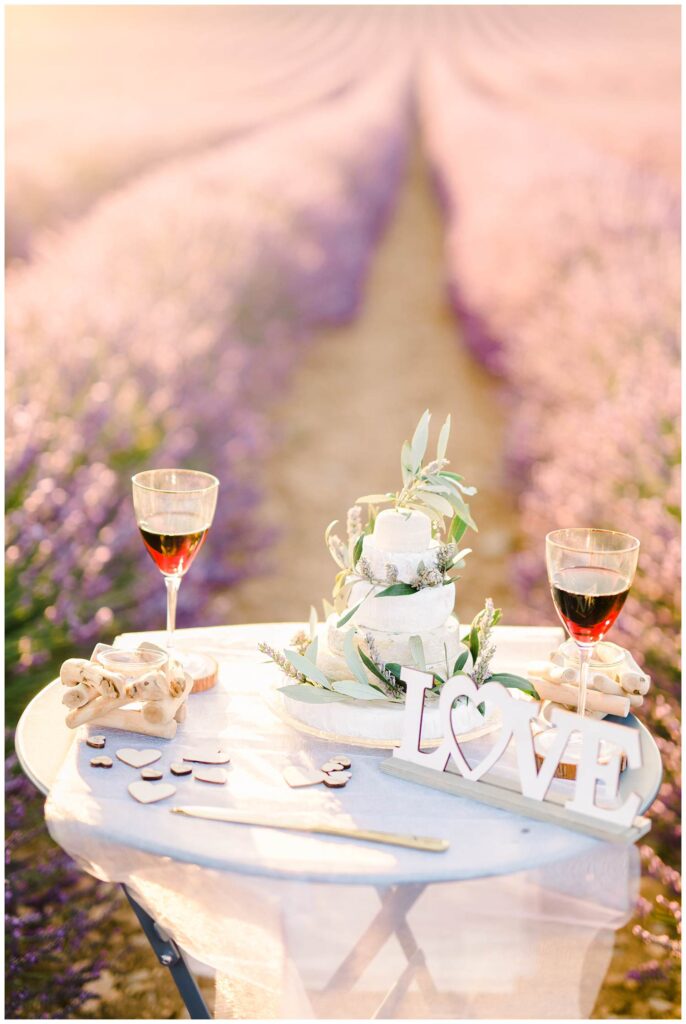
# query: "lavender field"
{"type": "Point", "coordinates": [195, 204]}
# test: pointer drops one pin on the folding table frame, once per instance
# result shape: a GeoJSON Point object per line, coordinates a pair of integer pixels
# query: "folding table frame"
{"type": "Point", "coordinates": [391, 919]}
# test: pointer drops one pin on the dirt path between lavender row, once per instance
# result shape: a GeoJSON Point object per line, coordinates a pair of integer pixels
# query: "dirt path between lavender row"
{"type": "Point", "coordinates": [356, 396]}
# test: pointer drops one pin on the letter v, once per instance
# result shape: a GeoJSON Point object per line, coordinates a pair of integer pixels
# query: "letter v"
{"type": "Point", "coordinates": [536, 784]}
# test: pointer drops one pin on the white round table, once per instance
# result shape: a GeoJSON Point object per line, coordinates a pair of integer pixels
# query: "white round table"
{"type": "Point", "coordinates": [301, 925]}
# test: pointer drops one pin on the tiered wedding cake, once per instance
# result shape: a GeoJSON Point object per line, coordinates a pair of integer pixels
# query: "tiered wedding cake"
{"type": "Point", "coordinates": [393, 601]}
{"type": "Point", "coordinates": [401, 539]}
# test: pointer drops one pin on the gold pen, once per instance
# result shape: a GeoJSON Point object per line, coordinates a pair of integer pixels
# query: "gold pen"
{"type": "Point", "coordinates": [427, 843]}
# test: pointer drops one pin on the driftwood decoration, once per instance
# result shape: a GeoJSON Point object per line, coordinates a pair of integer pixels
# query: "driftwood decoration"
{"type": "Point", "coordinates": [148, 702]}
{"type": "Point", "coordinates": [447, 767]}
{"type": "Point", "coordinates": [617, 684]}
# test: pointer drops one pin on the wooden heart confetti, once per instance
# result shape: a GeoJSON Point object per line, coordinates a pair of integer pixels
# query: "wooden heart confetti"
{"type": "Point", "coordinates": [342, 760]}
{"type": "Point", "coordinates": [180, 769]}
{"type": "Point", "coordinates": [138, 758]}
{"type": "Point", "coordinates": [151, 774]}
{"type": "Point", "coordinates": [333, 766]}
{"type": "Point", "coordinates": [296, 776]}
{"type": "Point", "coordinates": [151, 792]}
{"type": "Point", "coordinates": [97, 742]}
{"type": "Point", "coordinates": [208, 757]}
{"type": "Point", "coordinates": [101, 762]}
{"type": "Point", "coordinates": [337, 780]}
{"type": "Point", "coordinates": [216, 775]}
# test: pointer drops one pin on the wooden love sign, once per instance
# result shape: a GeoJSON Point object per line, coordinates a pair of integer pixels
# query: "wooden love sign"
{"type": "Point", "coordinates": [528, 791]}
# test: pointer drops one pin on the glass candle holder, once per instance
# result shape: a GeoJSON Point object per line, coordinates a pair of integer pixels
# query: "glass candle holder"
{"type": "Point", "coordinates": [130, 663]}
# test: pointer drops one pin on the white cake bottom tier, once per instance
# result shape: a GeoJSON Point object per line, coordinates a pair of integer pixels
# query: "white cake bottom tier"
{"type": "Point", "coordinates": [411, 613]}
{"type": "Point", "coordinates": [438, 645]}
{"type": "Point", "coordinates": [380, 724]}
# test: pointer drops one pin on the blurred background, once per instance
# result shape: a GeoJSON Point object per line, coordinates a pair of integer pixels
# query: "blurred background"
{"type": "Point", "coordinates": [261, 241]}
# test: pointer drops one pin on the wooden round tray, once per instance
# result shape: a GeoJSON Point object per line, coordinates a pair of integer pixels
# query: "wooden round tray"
{"type": "Point", "coordinates": [201, 667]}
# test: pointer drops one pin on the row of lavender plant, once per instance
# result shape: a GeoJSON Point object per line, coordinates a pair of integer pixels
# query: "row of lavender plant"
{"type": "Point", "coordinates": [563, 264]}
{"type": "Point", "coordinates": [50, 907]}
{"type": "Point", "coordinates": [154, 332]}
{"type": "Point", "coordinates": [244, 69]}
{"type": "Point", "coordinates": [607, 75]}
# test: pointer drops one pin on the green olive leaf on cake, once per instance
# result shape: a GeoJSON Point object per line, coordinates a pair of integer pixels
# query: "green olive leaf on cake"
{"type": "Point", "coordinates": [427, 485]}
{"type": "Point", "coordinates": [417, 652]}
{"type": "Point", "coordinates": [353, 659]}
{"type": "Point", "coordinates": [310, 694]}
{"type": "Point", "coordinates": [360, 691]}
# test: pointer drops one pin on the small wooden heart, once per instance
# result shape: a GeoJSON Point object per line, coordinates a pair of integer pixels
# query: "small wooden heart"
{"type": "Point", "coordinates": [97, 742]}
{"type": "Point", "coordinates": [296, 776]}
{"type": "Point", "coordinates": [151, 792]}
{"type": "Point", "coordinates": [333, 766]}
{"type": "Point", "coordinates": [138, 758]}
{"type": "Point", "coordinates": [337, 780]}
{"type": "Point", "coordinates": [101, 762]}
{"type": "Point", "coordinates": [341, 759]}
{"type": "Point", "coordinates": [151, 774]}
{"type": "Point", "coordinates": [208, 757]}
{"type": "Point", "coordinates": [216, 775]}
{"type": "Point", "coordinates": [180, 769]}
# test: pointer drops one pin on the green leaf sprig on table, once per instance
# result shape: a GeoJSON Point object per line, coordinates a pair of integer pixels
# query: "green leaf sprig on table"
{"type": "Point", "coordinates": [311, 684]}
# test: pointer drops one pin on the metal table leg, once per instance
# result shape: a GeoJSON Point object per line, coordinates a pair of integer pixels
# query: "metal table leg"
{"type": "Point", "coordinates": [169, 955]}
{"type": "Point", "coordinates": [396, 902]}
{"type": "Point", "coordinates": [391, 920]}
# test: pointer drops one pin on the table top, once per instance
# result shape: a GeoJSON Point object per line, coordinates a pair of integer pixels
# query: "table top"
{"type": "Point", "coordinates": [483, 841]}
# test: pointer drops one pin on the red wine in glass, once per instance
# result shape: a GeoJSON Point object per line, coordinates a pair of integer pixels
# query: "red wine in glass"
{"type": "Point", "coordinates": [174, 510]}
{"type": "Point", "coordinates": [173, 539]}
{"type": "Point", "coordinates": [590, 572]}
{"type": "Point", "coordinates": [588, 600]}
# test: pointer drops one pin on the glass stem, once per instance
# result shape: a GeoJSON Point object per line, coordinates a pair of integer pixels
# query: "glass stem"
{"type": "Point", "coordinates": [585, 655]}
{"type": "Point", "coordinates": [172, 583]}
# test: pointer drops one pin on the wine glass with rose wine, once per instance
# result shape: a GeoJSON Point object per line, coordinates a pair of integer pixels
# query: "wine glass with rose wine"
{"type": "Point", "coordinates": [590, 573]}
{"type": "Point", "coordinates": [174, 510]}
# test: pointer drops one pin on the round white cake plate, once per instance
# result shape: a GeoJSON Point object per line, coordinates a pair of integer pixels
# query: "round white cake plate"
{"type": "Point", "coordinates": [284, 707]}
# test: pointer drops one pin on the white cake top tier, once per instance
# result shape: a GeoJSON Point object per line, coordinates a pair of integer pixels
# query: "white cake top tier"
{"type": "Point", "coordinates": [402, 530]}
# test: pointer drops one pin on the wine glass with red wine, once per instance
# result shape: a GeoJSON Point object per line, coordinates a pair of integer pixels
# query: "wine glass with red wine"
{"type": "Point", "coordinates": [590, 574]}
{"type": "Point", "coordinates": [174, 510]}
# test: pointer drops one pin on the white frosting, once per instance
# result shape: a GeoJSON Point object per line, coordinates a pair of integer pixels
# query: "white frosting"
{"type": "Point", "coordinates": [402, 530]}
{"type": "Point", "coordinates": [406, 562]}
{"type": "Point", "coordinates": [410, 613]}
{"type": "Point", "coordinates": [395, 647]}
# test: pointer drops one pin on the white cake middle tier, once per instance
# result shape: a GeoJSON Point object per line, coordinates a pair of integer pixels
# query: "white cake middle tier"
{"type": "Point", "coordinates": [440, 645]}
{"type": "Point", "coordinates": [409, 613]}
{"type": "Point", "coordinates": [405, 562]}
